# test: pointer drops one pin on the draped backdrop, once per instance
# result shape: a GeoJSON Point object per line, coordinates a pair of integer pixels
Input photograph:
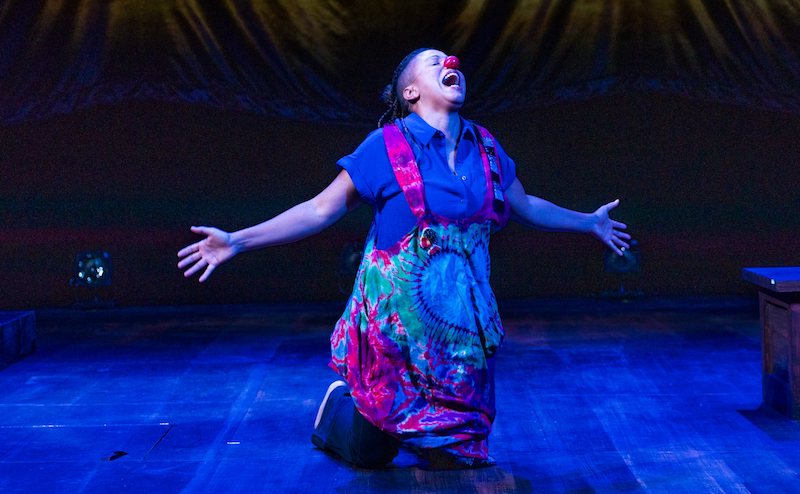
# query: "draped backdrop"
{"type": "Point", "coordinates": [123, 122]}
{"type": "Point", "coordinates": [328, 59]}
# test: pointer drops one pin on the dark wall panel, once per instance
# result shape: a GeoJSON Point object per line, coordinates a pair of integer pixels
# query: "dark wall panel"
{"type": "Point", "coordinates": [706, 188]}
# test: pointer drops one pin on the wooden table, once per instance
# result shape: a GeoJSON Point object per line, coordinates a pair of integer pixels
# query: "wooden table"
{"type": "Point", "coordinates": [779, 307]}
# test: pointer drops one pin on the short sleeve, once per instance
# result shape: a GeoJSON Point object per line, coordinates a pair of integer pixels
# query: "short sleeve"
{"type": "Point", "coordinates": [365, 166]}
{"type": "Point", "coordinates": [508, 169]}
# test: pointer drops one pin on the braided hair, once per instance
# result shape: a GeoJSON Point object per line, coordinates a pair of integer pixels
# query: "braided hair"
{"type": "Point", "coordinates": [391, 94]}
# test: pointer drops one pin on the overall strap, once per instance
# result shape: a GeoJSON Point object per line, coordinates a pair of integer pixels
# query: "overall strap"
{"type": "Point", "coordinates": [494, 188]}
{"type": "Point", "coordinates": [401, 156]}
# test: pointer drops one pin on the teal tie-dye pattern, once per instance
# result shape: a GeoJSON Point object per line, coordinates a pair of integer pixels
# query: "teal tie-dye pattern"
{"type": "Point", "coordinates": [416, 340]}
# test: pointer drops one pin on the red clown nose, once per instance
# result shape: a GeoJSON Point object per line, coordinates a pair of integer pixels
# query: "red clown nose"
{"type": "Point", "coordinates": [452, 62]}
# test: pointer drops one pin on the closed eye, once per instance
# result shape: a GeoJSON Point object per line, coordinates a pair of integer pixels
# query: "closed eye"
{"type": "Point", "coordinates": [435, 60]}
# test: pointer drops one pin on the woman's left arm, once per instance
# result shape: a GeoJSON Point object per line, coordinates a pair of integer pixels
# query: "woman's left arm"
{"type": "Point", "coordinates": [538, 213]}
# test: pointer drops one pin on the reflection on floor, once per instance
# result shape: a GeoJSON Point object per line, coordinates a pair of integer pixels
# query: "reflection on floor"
{"type": "Point", "coordinates": [593, 396]}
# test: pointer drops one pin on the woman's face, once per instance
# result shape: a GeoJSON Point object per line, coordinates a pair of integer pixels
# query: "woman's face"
{"type": "Point", "coordinates": [434, 85]}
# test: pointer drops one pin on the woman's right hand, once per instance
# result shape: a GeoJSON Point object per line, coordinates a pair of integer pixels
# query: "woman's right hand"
{"type": "Point", "coordinates": [208, 253]}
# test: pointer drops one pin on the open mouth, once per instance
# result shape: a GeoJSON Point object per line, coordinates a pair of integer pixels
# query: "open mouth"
{"type": "Point", "coordinates": [451, 79]}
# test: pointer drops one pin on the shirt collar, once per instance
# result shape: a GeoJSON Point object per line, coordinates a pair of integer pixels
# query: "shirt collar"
{"type": "Point", "coordinates": [423, 132]}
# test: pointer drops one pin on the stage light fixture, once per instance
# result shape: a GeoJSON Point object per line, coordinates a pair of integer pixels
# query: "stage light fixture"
{"type": "Point", "coordinates": [92, 269]}
{"type": "Point", "coordinates": [628, 262]}
{"type": "Point", "coordinates": [623, 269]}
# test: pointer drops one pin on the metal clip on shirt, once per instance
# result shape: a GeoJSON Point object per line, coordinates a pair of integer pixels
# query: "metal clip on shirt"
{"type": "Point", "coordinates": [428, 241]}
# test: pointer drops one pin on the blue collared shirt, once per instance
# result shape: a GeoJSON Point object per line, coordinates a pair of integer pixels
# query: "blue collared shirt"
{"type": "Point", "coordinates": [452, 195]}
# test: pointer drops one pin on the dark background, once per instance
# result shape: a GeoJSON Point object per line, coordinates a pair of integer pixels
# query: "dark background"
{"type": "Point", "coordinates": [123, 124]}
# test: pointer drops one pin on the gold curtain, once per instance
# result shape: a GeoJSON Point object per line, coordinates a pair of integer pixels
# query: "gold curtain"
{"type": "Point", "coordinates": [329, 59]}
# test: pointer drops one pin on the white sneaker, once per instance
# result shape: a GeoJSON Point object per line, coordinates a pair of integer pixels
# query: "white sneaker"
{"type": "Point", "coordinates": [334, 385]}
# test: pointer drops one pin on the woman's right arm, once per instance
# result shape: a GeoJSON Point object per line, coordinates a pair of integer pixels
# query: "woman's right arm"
{"type": "Point", "coordinates": [294, 224]}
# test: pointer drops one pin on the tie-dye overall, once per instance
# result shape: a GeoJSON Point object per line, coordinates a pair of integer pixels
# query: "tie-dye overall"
{"type": "Point", "coordinates": [416, 340]}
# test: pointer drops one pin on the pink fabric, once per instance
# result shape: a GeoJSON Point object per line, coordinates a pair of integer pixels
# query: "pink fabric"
{"type": "Point", "coordinates": [416, 341]}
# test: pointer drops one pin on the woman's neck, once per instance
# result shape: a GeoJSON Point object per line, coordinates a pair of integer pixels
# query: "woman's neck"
{"type": "Point", "coordinates": [447, 122]}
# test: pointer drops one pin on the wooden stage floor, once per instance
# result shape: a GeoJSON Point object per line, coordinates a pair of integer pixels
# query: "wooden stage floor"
{"type": "Point", "coordinates": [593, 396]}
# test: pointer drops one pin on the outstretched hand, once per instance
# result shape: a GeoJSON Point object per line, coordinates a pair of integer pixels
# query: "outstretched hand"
{"type": "Point", "coordinates": [208, 253]}
{"type": "Point", "coordinates": [608, 230]}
